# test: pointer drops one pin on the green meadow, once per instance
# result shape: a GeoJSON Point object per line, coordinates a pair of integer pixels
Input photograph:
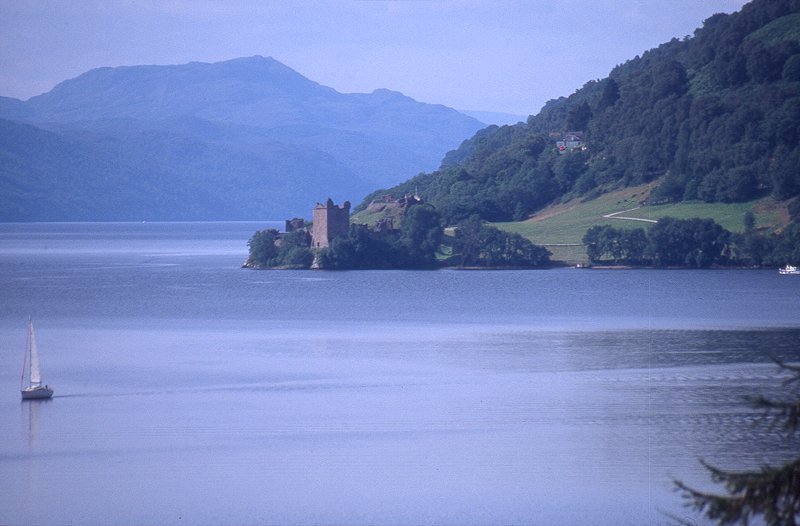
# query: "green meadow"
{"type": "Point", "coordinates": [561, 227]}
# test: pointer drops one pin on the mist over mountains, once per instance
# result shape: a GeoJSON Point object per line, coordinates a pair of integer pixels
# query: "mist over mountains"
{"type": "Point", "coordinates": [248, 138]}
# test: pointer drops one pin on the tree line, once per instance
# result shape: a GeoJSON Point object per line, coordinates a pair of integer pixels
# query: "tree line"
{"type": "Point", "coordinates": [694, 243]}
{"type": "Point", "coordinates": [416, 244]}
{"type": "Point", "coordinates": [420, 243]}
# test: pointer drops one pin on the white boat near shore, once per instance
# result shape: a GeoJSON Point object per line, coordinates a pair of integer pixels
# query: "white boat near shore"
{"type": "Point", "coordinates": [789, 269]}
{"type": "Point", "coordinates": [35, 389]}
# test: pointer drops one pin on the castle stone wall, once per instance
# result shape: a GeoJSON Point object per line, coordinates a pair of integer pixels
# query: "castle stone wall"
{"type": "Point", "coordinates": [329, 222]}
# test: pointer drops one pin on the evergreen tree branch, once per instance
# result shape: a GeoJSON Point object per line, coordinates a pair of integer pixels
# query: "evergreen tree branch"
{"type": "Point", "coordinates": [771, 492]}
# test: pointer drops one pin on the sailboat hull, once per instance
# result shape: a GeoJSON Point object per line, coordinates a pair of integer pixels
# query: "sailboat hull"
{"type": "Point", "coordinates": [36, 393]}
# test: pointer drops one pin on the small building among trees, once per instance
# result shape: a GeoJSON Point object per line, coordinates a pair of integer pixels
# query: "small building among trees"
{"type": "Point", "coordinates": [571, 140]}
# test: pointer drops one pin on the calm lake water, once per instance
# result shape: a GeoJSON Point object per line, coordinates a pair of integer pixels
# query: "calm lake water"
{"type": "Point", "coordinates": [191, 391]}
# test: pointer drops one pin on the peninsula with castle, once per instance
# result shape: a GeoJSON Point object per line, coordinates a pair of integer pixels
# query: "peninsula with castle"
{"type": "Point", "coordinates": [391, 233]}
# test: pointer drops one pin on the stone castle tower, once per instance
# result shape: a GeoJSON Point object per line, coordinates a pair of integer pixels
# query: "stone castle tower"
{"type": "Point", "coordinates": [329, 222]}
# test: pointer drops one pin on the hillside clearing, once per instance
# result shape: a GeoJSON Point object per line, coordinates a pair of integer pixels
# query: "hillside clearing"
{"type": "Point", "coordinates": [561, 227]}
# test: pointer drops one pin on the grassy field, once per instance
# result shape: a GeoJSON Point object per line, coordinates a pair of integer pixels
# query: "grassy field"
{"type": "Point", "coordinates": [561, 227]}
{"type": "Point", "coordinates": [729, 216]}
{"type": "Point", "coordinates": [566, 223]}
{"type": "Point", "coordinates": [367, 217]}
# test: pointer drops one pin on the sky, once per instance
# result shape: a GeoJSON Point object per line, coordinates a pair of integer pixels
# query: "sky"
{"type": "Point", "coordinates": [506, 56]}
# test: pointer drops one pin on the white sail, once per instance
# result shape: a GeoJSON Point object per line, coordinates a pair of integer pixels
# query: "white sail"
{"type": "Point", "coordinates": [35, 376]}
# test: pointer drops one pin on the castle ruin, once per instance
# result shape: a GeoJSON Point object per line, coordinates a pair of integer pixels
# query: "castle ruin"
{"type": "Point", "coordinates": [329, 221]}
{"type": "Point", "coordinates": [294, 225]}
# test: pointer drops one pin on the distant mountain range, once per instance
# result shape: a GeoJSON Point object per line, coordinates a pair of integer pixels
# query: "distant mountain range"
{"type": "Point", "coordinates": [248, 138]}
{"type": "Point", "coordinates": [496, 118]}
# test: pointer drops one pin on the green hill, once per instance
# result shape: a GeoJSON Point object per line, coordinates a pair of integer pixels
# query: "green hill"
{"type": "Point", "coordinates": [710, 122]}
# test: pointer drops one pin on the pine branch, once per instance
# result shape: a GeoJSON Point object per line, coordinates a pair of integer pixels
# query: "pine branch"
{"type": "Point", "coordinates": [771, 492]}
{"type": "Point", "coordinates": [787, 411]}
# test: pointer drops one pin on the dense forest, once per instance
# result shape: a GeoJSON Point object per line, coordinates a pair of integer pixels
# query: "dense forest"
{"type": "Point", "coordinates": [713, 117]}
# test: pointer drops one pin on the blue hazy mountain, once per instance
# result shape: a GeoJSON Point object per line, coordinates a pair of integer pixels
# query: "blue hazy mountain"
{"type": "Point", "coordinates": [248, 138]}
{"type": "Point", "coordinates": [496, 118]}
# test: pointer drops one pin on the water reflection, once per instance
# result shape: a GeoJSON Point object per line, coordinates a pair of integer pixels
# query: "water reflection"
{"type": "Point", "coordinates": [31, 479]}
{"type": "Point", "coordinates": [30, 418]}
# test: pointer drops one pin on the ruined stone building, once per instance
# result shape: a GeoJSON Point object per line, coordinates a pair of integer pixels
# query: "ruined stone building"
{"type": "Point", "coordinates": [387, 202]}
{"type": "Point", "coordinates": [329, 222]}
{"type": "Point", "coordinates": [293, 225]}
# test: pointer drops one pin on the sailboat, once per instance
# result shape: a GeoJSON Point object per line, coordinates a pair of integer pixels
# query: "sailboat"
{"type": "Point", "coordinates": [35, 389]}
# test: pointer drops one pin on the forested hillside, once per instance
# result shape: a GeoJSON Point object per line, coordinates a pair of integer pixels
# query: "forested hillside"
{"type": "Point", "coordinates": [712, 117]}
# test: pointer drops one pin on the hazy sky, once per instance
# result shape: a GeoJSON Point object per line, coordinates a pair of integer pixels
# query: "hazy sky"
{"type": "Point", "coordinates": [493, 55]}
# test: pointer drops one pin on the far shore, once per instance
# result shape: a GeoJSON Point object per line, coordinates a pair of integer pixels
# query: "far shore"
{"type": "Point", "coordinates": [553, 265]}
